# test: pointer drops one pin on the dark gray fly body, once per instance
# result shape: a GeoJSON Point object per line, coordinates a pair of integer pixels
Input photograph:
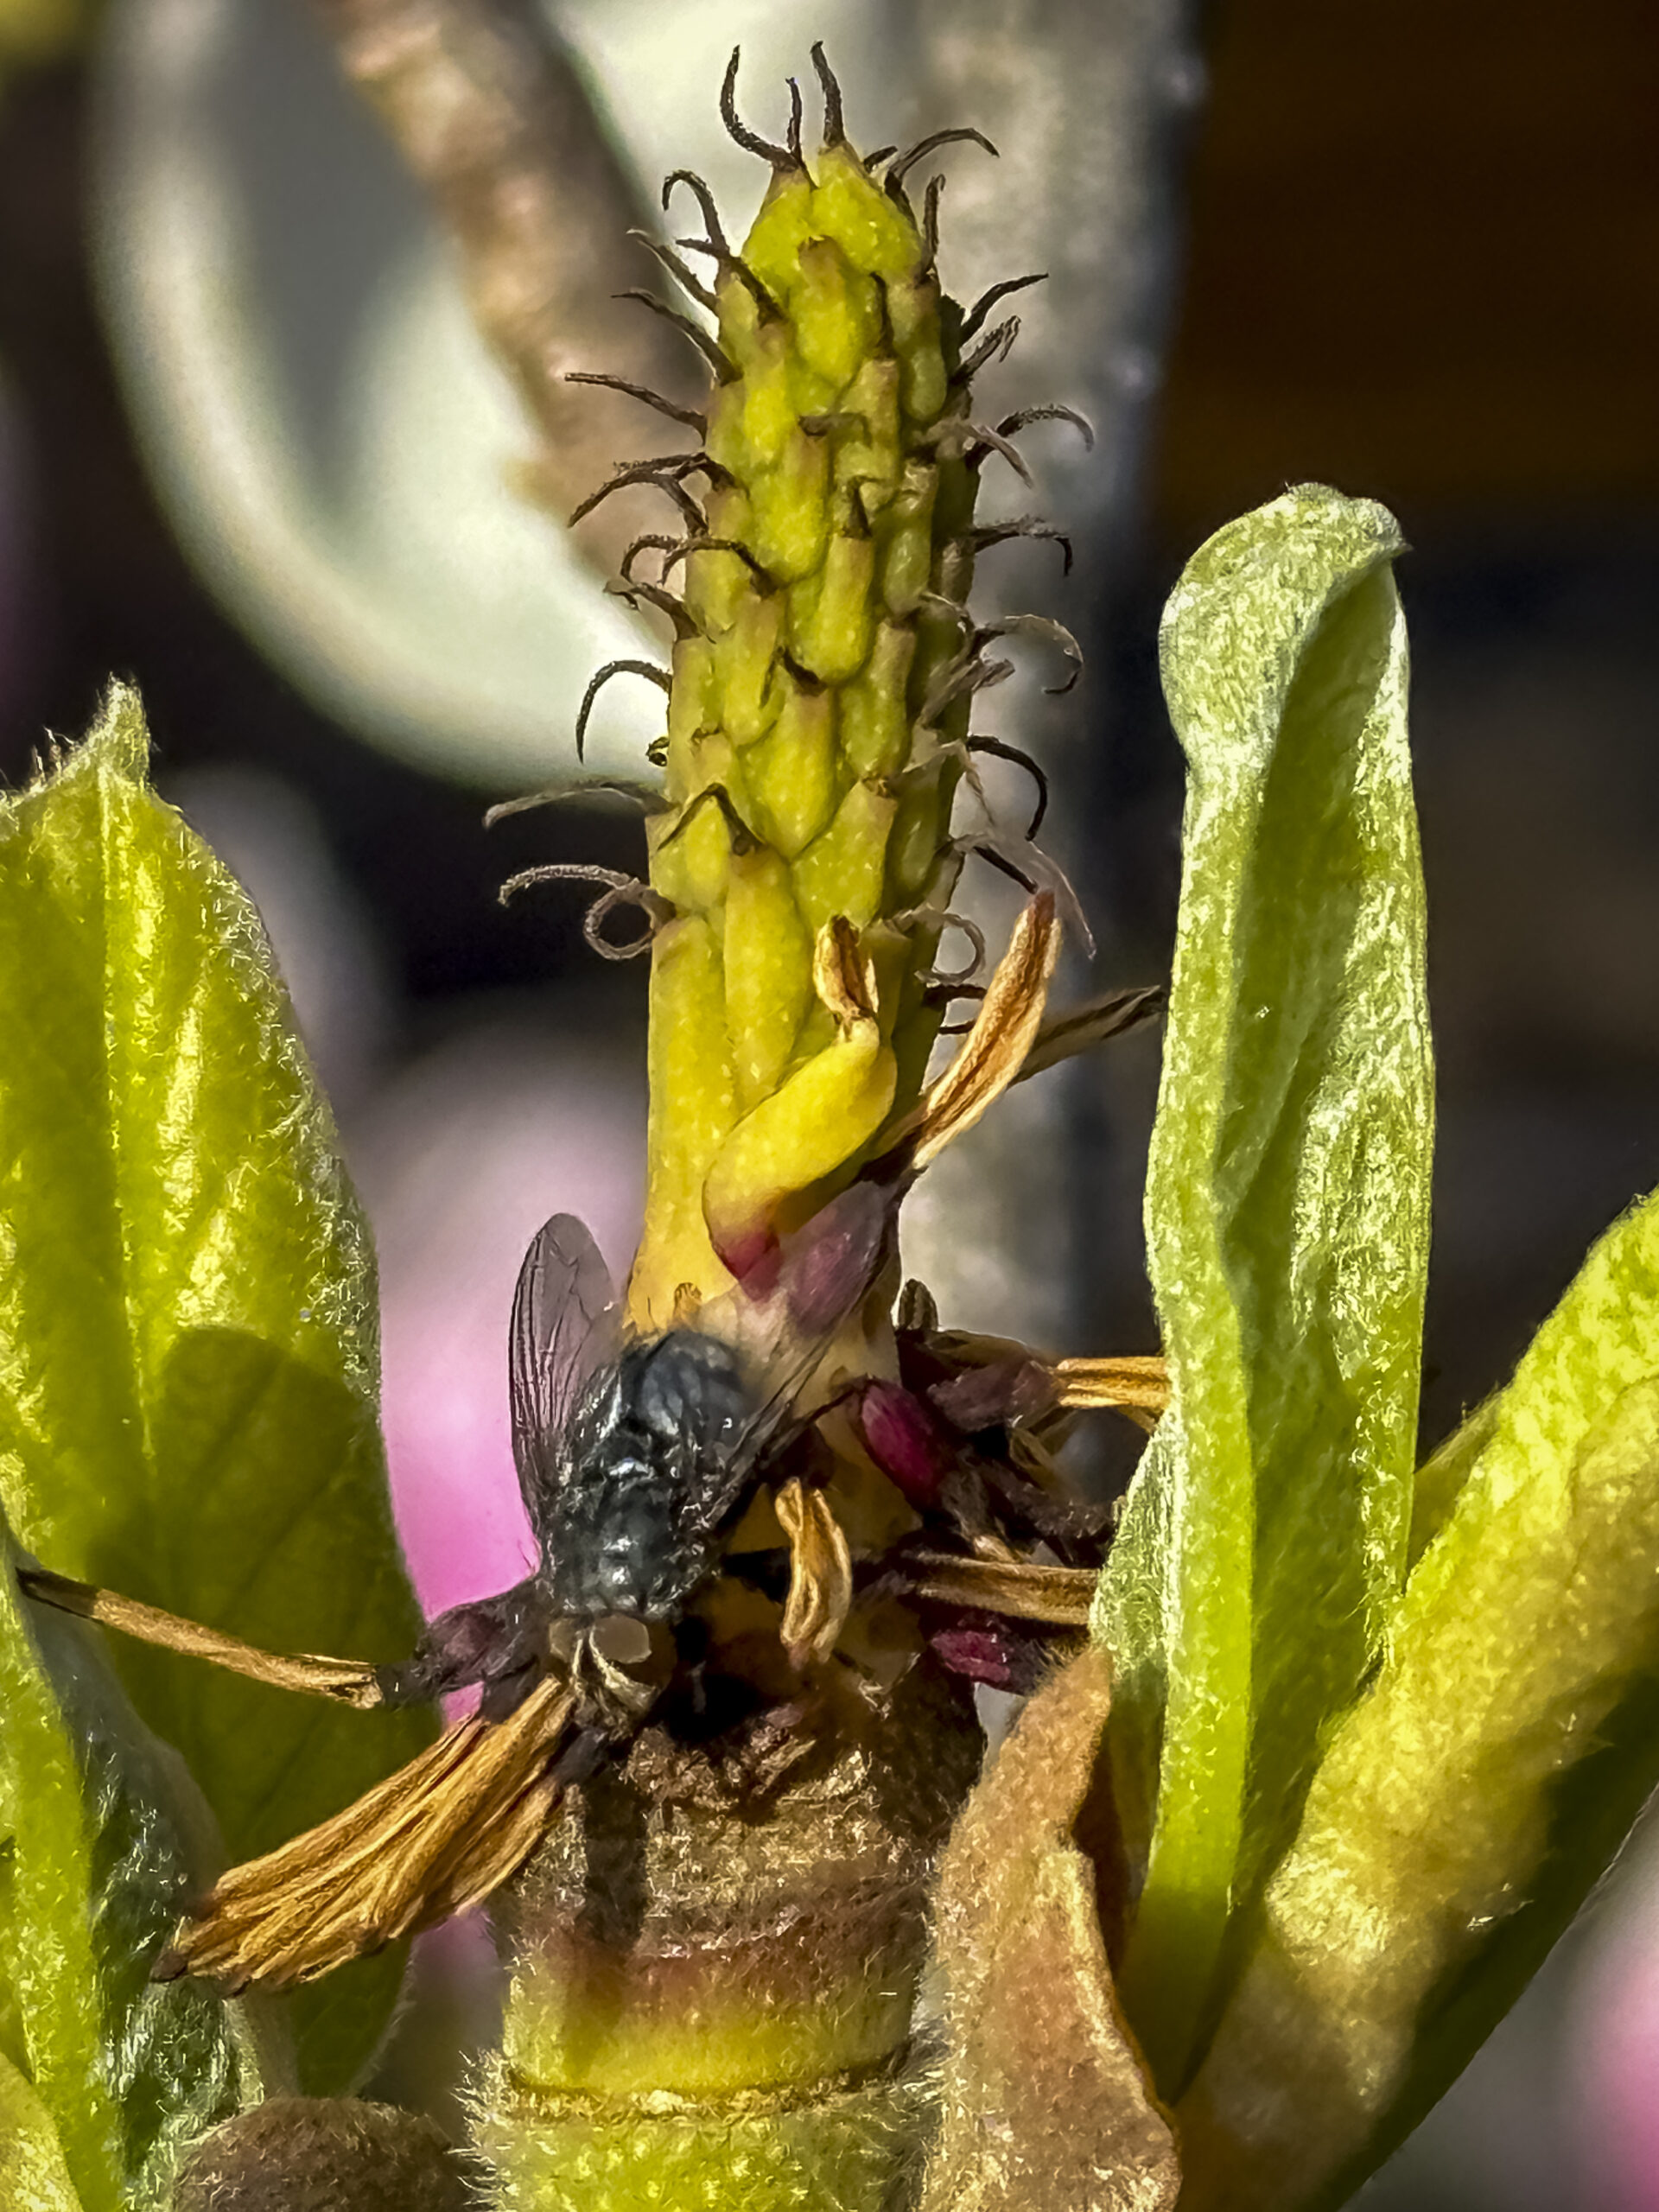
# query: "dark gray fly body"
{"type": "Point", "coordinates": [635, 1456]}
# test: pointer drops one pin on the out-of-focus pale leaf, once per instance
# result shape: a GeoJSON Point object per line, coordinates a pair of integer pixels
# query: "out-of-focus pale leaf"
{"type": "Point", "coordinates": [1045, 2103]}
{"type": "Point", "coordinates": [187, 1340]}
{"type": "Point", "coordinates": [111, 2074]}
{"type": "Point", "coordinates": [1286, 1220]}
{"type": "Point", "coordinates": [1466, 1803]}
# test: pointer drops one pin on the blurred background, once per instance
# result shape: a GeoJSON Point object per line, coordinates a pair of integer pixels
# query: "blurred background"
{"type": "Point", "coordinates": [254, 453]}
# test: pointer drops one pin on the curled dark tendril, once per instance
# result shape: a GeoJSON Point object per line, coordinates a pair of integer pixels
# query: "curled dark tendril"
{"type": "Point", "coordinates": [793, 136]}
{"type": "Point", "coordinates": [906, 161]}
{"type": "Point", "coordinates": [689, 416]}
{"type": "Point", "coordinates": [645, 796]}
{"type": "Point", "coordinates": [959, 679]}
{"type": "Point", "coordinates": [676, 268]}
{"type": "Point", "coordinates": [999, 750]}
{"type": "Point", "coordinates": [1018, 420]}
{"type": "Point", "coordinates": [956, 433]}
{"type": "Point", "coordinates": [930, 221]}
{"type": "Point", "coordinates": [646, 668]}
{"type": "Point", "coordinates": [1040, 625]}
{"type": "Point", "coordinates": [835, 129]}
{"type": "Point", "coordinates": [958, 980]}
{"type": "Point", "coordinates": [1029, 866]}
{"type": "Point", "coordinates": [669, 481]}
{"type": "Point", "coordinates": [995, 346]}
{"type": "Point", "coordinates": [705, 200]}
{"type": "Point", "coordinates": [637, 593]}
{"type": "Point", "coordinates": [619, 891]}
{"type": "Point", "coordinates": [943, 994]}
{"type": "Point", "coordinates": [743, 839]}
{"type": "Point", "coordinates": [664, 472]}
{"type": "Point", "coordinates": [706, 544]}
{"type": "Point", "coordinates": [982, 306]}
{"type": "Point", "coordinates": [651, 542]}
{"type": "Point", "coordinates": [725, 369]}
{"type": "Point", "coordinates": [999, 533]}
{"type": "Point", "coordinates": [781, 158]}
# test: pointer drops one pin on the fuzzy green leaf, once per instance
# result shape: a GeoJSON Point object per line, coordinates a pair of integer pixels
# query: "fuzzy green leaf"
{"type": "Point", "coordinates": [32, 2172]}
{"type": "Point", "coordinates": [1287, 1218]}
{"type": "Point", "coordinates": [1467, 1803]}
{"type": "Point", "coordinates": [188, 1325]}
{"type": "Point", "coordinates": [105, 1837]}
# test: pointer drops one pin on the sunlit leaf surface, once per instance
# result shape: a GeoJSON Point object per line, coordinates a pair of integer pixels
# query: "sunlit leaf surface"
{"type": "Point", "coordinates": [1469, 1800]}
{"type": "Point", "coordinates": [106, 2074]}
{"type": "Point", "coordinates": [187, 1344]}
{"type": "Point", "coordinates": [1287, 1218]}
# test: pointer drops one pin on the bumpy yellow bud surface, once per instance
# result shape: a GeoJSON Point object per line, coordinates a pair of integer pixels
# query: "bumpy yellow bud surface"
{"type": "Point", "coordinates": [809, 768]}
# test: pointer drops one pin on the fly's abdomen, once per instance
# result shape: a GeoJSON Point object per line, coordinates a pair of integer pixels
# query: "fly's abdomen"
{"type": "Point", "coordinates": [714, 1983]}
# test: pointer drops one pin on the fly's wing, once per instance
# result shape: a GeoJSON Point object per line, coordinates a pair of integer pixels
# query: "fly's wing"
{"type": "Point", "coordinates": [566, 1325]}
{"type": "Point", "coordinates": [827, 1268]}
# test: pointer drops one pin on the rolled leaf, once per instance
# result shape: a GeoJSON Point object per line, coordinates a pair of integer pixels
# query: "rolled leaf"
{"type": "Point", "coordinates": [1046, 2106]}
{"type": "Point", "coordinates": [1466, 1804]}
{"type": "Point", "coordinates": [1287, 1222]}
{"type": "Point", "coordinates": [187, 1322]}
{"type": "Point", "coordinates": [111, 2074]}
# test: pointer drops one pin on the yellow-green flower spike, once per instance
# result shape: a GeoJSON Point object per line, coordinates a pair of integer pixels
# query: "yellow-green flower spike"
{"type": "Point", "coordinates": [818, 716]}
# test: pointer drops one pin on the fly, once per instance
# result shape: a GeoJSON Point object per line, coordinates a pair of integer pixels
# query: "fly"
{"type": "Point", "coordinates": [636, 1456]}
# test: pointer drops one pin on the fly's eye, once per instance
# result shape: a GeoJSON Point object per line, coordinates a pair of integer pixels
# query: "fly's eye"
{"type": "Point", "coordinates": [621, 1640]}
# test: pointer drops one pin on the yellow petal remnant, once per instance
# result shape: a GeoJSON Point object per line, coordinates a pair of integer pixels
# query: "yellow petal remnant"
{"type": "Point", "coordinates": [1046, 2104]}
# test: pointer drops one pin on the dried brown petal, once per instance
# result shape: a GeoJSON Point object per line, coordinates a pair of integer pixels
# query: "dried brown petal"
{"type": "Point", "coordinates": [438, 1835]}
{"type": "Point", "coordinates": [349, 1681]}
{"type": "Point", "coordinates": [820, 1573]}
{"type": "Point", "coordinates": [1140, 1381]}
{"type": "Point", "coordinates": [1045, 2103]}
{"type": "Point", "coordinates": [1061, 1596]}
{"type": "Point", "coordinates": [995, 1048]}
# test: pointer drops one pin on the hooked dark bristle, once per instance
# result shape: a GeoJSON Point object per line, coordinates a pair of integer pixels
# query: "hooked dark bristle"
{"type": "Point", "coordinates": [906, 162]}
{"type": "Point", "coordinates": [987, 301]}
{"type": "Point", "coordinates": [726, 371]}
{"type": "Point", "coordinates": [1018, 419]}
{"type": "Point", "coordinates": [835, 131]}
{"type": "Point", "coordinates": [999, 750]}
{"type": "Point", "coordinates": [751, 141]}
{"type": "Point", "coordinates": [705, 200]}
{"type": "Point", "coordinates": [676, 268]}
{"type": "Point", "coordinates": [693, 418]}
{"type": "Point", "coordinates": [792, 138]}
{"type": "Point", "coordinates": [743, 838]}
{"type": "Point", "coordinates": [660, 675]}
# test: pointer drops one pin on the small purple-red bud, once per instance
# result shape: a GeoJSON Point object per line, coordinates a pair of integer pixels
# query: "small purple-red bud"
{"type": "Point", "coordinates": [900, 1436]}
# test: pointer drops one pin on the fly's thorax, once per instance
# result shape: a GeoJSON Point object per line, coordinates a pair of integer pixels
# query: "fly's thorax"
{"type": "Point", "coordinates": [650, 1468]}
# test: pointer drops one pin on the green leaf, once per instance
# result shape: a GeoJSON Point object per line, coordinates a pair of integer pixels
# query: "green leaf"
{"type": "Point", "coordinates": [187, 1321]}
{"type": "Point", "coordinates": [1286, 1218]}
{"type": "Point", "coordinates": [106, 1838]}
{"type": "Point", "coordinates": [32, 2172]}
{"type": "Point", "coordinates": [1468, 1801]}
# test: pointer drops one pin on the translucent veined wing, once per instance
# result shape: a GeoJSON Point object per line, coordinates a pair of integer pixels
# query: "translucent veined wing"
{"type": "Point", "coordinates": [825, 1270]}
{"type": "Point", "coordinates": [566, 1325]}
